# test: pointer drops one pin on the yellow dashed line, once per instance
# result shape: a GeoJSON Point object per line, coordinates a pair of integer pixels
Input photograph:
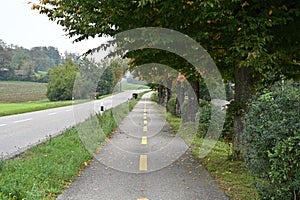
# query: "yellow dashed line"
{"type": "Point", "coordinates": [145, 117]}
{"type": "Point", "coordinates": [145, 122]}
{"type": "Point", "coordinates": [144, 140]}
{"type": "Point", "coordinates": [145, 129]}
{"type": "Point", "coordinates": [142, 199]}
{"type": "Point", "coordinates": [143, 162]}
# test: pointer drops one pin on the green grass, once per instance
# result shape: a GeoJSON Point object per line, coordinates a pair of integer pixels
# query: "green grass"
{"type": "Point", "coordinates": [130, 86]}
{"type": "Point", "coordinates": [18, 108]}
{"type": "Point", "coordinates": [21, 91]}
{"type": "Point", "coordinates": [231, 176]}
{"type": "Point", "coordinates": [43, 171]}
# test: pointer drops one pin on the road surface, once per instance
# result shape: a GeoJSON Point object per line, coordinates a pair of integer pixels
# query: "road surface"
{"type": "Point", "coordinates": [144, 160]}
{"type": "Point", "coordinates": [20, 132]}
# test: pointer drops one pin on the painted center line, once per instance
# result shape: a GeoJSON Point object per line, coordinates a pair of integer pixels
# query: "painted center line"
{"type": "Point", "coordinates": [52, 113]}
{"type": "Point", "coordinates": [145, 129]}
{"type": "Point", "coordinates": [142, 199]}
{"type": "Point", "coordinates": [23, 120]}
{"type": "Point", "coordinates": [143, 162]}
{"type": "Point", "coordinates": [145, 122]}
{"type": "Point", "coordinates": [145, 117]}
{"type": "Point", "coordinates": [3, 125]}
{"type": "Point", "coordinates": [144, 140]}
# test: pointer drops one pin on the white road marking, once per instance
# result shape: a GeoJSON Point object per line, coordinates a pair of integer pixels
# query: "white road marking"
{"type": "Point", "coordinates": [3, 125]}
{"type": "Point", "coordinates": [52, 113]}
{"type": "Point", "coordinates": [23, 120]}
{"type": "Point", "coordinates": [69, 110]}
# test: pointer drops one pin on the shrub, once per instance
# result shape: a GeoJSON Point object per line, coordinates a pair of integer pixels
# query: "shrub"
{"type": "Point", "coordinates": [62, 77]}
{"type": "Point", "coordinates": [171, 104]}
{"type": "Point", "coordinates": [272, 141]}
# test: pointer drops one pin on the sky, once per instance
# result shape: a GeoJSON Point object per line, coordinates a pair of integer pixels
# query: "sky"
{"type": "Point", "coordinates": [19, 25]}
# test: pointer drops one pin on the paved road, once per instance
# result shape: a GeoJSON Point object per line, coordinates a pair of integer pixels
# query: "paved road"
{"type": "Point", "coordinates": [144, 161]}
{"type": "Point", "coordinates": [19, 132]}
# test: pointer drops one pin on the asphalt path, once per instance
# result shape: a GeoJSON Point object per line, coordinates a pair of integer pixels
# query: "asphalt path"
{"type": "Point", "coordinates": [22, 131]}
{"type": "Point", "coordinates": [144, 160]}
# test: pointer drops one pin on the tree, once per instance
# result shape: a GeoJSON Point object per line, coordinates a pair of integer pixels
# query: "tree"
{"type": "Point", "coordinates": [239, 35]}
{"type": "Point", "coordinates": [62, 77]}
{"type": "Point", "coordinates": [106, 82]}
{"type": "Point", "coordinates": [6, 70]}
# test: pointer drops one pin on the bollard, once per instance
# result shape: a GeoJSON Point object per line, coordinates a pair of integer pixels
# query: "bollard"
{"type": "Point", "coordinates": [134, 95]}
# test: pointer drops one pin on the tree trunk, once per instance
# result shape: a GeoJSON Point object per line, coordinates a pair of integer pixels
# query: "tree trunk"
{"type": "Point", "coordinates": [180, 98]}
{"type": "Point", "coordinates": [169, 93]}
{"type": "Point", "coordinates": [193, 101]}
{"type": "Point", "coordinates": [243, 92]}
{"type": "Point", "coordinates": [161, 95]}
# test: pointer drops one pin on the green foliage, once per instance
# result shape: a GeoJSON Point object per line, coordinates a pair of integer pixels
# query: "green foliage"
{"type": "Point", "coordinates": [272, 138]}
{"type": "Point", "coordinates": [106, 82]}
{"type": "Point", "coordinates": [61, 82]}
{"type": "Point", "coordinates": [33, 63]}
{"type": "Point", "coordinates": [171, 104]}
{"type": "Point", "coordinates": [204, 115]}
{"type": "Point", "coordinates": [154, 97]}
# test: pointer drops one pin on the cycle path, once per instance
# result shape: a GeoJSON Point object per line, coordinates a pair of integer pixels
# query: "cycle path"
{"type": "Point", "coordinates": [144, 160]}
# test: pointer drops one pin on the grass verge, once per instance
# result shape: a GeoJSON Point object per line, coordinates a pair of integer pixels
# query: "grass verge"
{"type": "Point", "coordinates": [18, 108]}
{"type": "Point", "coordinates": [231, 176]}
{"type": "Point", "coordinates": [31, 106]}
{"type": "Point", "coordinates": [43, 171]}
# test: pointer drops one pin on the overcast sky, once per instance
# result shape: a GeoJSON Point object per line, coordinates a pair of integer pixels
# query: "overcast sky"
{"type": "Point", "coordinates": [19, 25]}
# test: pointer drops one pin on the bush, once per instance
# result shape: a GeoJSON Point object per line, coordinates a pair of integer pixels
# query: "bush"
{"type": "Point", "coordinates": [154, 97]}
{"type": "Point", "coordinates": [171, 104]}
{"type": "Point", "coordinates": [62, 77]}
{"type": "Point", "coordinates": [272, 141]}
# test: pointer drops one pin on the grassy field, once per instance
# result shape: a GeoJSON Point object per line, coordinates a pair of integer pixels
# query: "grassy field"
{"type": "Point", "coordinates": [30, 106]}
{"type": "Point", "coordinates": [129, 86]}
{"type": "Point", "coordinates": [45, 170]}
{"type": "Point", "coordinates": [20, 97]}
{"type": "Point", "coordinates": [17, 91]}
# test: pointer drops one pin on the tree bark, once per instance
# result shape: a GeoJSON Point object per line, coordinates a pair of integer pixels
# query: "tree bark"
{"type": "Point", "coordinates": [169, 93]}
{"type": "Point", "coordinates": [161, 95]}
{"type": "Point", "coordinates": [180, 98]}
{"type": "Point", "coordinates": [243, 92]}
{"type": "Point", "coordinates": [193, 101]}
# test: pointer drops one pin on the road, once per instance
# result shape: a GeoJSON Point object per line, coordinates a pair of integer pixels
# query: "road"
{"type": "Point", "coordinates": [144, 160]}
{"type": "Point", "coordinates": [20, 132]}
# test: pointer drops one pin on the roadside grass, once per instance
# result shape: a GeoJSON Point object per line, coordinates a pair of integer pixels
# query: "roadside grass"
{"type": "Point", "coordinates": [18, 108]}
{"type": "Point", "coordinates": [43, 171]}
{"type": "Point", "coordinates": [21, 91]}
{"type": "Point", "coordinates": [231, 176]}
{"type": "Point", "coordinates": [30, 106]}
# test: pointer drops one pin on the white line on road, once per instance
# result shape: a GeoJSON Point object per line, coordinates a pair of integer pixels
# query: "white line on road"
{"type": "Point", "coordinates": [3, 125]}
{"type": "Point", "coordinates": [69, 110]}
{"type": "Point", "coordinates": [23, 120]}
{"type": "Point", "coordinates": [52, 113]}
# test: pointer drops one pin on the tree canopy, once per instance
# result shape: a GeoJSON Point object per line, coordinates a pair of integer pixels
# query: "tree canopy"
{"type": "Point", "coordinates": [244, 38]}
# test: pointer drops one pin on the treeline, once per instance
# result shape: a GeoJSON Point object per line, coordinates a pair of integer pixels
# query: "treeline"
{"type": "Point", "coordinates": [18, 63]}
{"type": "Point", "coordinates": [82, 79]}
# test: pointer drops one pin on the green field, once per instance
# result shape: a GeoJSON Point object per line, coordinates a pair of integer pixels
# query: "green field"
{"type": "Point", "coordinates": [30, 106]}
{"type": "Point", "coordinates": [20, 91]}
{"type": "Point", "coordinates": [20, 97]}
{"type": "Point", "coordinates": [129, 86]}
